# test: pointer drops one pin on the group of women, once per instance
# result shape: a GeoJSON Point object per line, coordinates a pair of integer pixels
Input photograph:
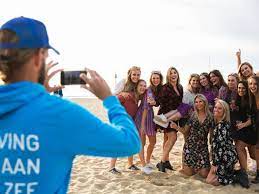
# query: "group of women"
{"type": "Point", "coordinates": [219, 120]}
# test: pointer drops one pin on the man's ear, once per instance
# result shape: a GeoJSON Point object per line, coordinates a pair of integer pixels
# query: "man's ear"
{"type": "Point", "coordinates": [38, 58]}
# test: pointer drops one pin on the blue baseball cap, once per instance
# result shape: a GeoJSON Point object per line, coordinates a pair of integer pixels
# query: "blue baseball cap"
{"type": "Point", "coordinates": [31, 33]}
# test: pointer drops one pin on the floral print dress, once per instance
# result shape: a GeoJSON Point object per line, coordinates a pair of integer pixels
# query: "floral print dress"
{"type": "Point", "coordinates": [224, 154]}
{"type": "Point", "coordinates": [195, 150]}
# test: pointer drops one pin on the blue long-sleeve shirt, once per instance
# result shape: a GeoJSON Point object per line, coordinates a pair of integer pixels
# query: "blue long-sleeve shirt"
{"type": "Point", "coordinates": [40, 135]}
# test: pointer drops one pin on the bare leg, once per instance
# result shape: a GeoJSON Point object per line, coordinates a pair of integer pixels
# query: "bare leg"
{"type": "Point", "coordinates": [186, 170]}
{"type": "Point", "coordinates": [204, 172]}
{"type": "Point", "coordinates": [257, 158]}
{"type": "Point", "coordinates": [212, 178]}
{"type": "Point", "coordinates": [113, 163]}
{"type": "Point", "coordinates": [142, 154]}
{"type": "Point", "coordinates": [170, 113]}
{"type": "Point", "coordinates": [130, 161]}
{"type": "Point", "coordinates": [175, 117]}
{"type": "Point", "coordinates": [252, 150]}
{"type": "Point", "coordinates": [241, 152]}
{"type": "Point", "coordinates": [165, 140]}
{"type": "Point", "coordinates": [172, 137]}
{"type": "Point", "coordinates": [150, 148]}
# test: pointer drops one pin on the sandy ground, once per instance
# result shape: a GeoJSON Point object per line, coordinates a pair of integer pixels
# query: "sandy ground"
{"type": "Point", "coordinates": [90, 175]}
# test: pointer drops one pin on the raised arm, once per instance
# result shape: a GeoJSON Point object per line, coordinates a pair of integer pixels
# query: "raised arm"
{"type": "Point", "coordinates": [238, 54]}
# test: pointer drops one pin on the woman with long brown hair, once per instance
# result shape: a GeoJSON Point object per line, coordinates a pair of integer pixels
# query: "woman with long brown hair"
{"type": "Point", "coordinates": [128, 85]}
{"type": "Point", "coordinates": [244, 133]}
{"type": "Point", "coordinates": [169, 99]}
{"type": "Point", "coordinates": [253, 84]}
{"type": "Point", "coordinates": [208, 90]}
{"type": "Point", "coordinates": [217, 79]}
{"type": "Point", "coordinates": [145, 115]}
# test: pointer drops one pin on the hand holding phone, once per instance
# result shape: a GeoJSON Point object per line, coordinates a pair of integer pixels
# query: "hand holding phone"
{"type": "Point", "coordinates": [96, 84]}
{"type": "Point", "coordinates": [44, 79]}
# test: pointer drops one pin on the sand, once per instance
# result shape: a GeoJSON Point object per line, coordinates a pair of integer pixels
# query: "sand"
{"type": "Point", "coordinates": [90, 175]}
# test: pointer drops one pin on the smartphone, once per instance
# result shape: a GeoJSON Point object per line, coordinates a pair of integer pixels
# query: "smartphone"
{"type": "Point", "coordinates": [71, 77]}
{"type": "Point", "coordinates": [149, 93]}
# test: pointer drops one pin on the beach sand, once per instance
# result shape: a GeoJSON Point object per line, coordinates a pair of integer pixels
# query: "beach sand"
{"type": "Point", "coordinates": [90, 175]}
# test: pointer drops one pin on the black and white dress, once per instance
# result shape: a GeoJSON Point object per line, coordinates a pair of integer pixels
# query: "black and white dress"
{"type": "Point", "coordinates": [195, 150]}
{"type": "Point", "coordinates": [224, 154]}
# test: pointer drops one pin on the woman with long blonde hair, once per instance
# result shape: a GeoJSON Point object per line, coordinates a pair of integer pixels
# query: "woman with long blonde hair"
{"type": "Point", "coordinates": [224, 155]}
{"type": "Point", "coordinates": [245, 69]}
{"type": "Point", "coordinates": [195, 150]}
{"type": "Point", "coordinates": [128, 84]}
{"type": "Point", "coordinates": [130, 102]}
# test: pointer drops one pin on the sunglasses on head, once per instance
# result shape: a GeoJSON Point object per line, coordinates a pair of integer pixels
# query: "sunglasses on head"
{"type": "Point", "coordinates": [156, 72]}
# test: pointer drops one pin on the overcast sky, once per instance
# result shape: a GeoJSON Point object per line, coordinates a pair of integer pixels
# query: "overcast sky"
{"type": "Point", "coordinates": [112, 35]}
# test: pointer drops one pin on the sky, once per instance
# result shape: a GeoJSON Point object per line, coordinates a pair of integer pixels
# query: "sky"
{"type": "Point", "coordinates": [109, 36]}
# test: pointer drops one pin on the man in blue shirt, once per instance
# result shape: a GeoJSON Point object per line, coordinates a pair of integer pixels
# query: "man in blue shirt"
{"type": "Point", "coordinates": [40, 134]}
